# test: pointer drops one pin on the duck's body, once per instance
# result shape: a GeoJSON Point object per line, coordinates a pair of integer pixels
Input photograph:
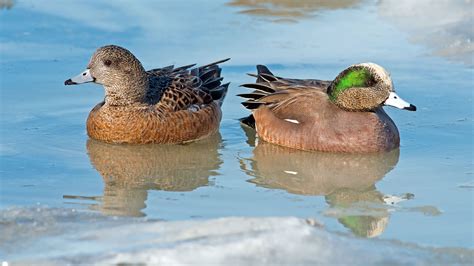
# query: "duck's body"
{"type": "Point", "coordinates": [178, 109]}
{"type": "Point", "coordinates": [300, 114]}
{"type": "Point", "coordinates": [306, 120]}
{"type": "Point", "coordinates": [166, 105]}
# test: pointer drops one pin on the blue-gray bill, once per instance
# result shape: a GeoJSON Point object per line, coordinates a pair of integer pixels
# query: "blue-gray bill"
{"type": "Point", "coordinates": [84, 77]}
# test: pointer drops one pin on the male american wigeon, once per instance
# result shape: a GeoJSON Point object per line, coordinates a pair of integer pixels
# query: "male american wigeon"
{"type": "Point", "coordinates": [343, 115]}
{"type": "Point", "coordinates": [163, 105]}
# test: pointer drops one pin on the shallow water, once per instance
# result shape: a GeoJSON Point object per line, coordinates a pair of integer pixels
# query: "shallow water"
{"type": "Point", "coordinates": [421, 193]}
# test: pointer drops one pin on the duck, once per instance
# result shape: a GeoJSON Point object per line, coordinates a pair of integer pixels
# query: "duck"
{"type": "Point", "coordinates": [343, 115]}
{"type": "Point", "coordinates": [168, 105]}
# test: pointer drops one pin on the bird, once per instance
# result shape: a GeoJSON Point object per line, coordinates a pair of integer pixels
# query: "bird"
{"type": "Point", "coordinates": [343, 115]}
{"type": "Point", "coordinates": [165, 105]}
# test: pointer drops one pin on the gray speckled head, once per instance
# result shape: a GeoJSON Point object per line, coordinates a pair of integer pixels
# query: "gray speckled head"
{"type": "Point", "coordinates": [113, 64]}
{"type": "Point", "coordinates": [123, 76]}
{"type": "Point", "coordinates": [124, 79]}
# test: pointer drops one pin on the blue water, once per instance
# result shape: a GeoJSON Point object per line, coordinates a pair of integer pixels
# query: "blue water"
{"type": "Point", "coordinates": [47, 160]}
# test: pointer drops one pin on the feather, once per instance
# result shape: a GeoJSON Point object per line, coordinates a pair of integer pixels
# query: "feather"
{"type": "Point", "coordinates": [267, 77]}
{"type": "Point", "coordinates": [258, 86]}
{"type": "Point", "coordinates": [252, 75]}
{"type": "Point", "coordinates": [251, 104]}
{"type": "Point", "coordinates": [183, 68]}
{"type": "Point", "coordinates": [213, 83]}
{"type": "Point", "coordinates": [255, 95]}
{"type": "Point", "coordinates": [215, 63]}
{"type": "Point", "coordinates": [210, 73]}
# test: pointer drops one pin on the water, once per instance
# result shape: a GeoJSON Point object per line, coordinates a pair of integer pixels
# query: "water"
{"type": "Point", "coordinates": [95, 239]}
{"type": "Point", "coordinates": [421, 194]}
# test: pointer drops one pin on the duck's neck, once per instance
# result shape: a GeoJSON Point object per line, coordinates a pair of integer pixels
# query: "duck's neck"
{"type": "Point", "coordinates": [129, 91]}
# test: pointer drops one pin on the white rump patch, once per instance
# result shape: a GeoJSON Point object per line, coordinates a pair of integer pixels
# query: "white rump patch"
{"type": "Point", "coordinates": [292, 121]}
{"type": "Point", "coordinates": [291, 172]}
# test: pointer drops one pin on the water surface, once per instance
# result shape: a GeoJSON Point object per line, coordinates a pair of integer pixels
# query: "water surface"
{"type": "Point", "coordinates": [421, 193]}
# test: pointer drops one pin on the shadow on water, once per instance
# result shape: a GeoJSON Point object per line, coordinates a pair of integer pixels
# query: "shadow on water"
{"type": "Point", "coordinates": [347, 181]}
{"type": "Point", "coordinates": [130, 171]}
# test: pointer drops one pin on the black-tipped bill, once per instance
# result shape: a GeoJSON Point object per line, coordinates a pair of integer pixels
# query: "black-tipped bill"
{"type": "Point", "coordinates": [395, 101]}
{"type": "Point", "coordinates": [410, 108]}
{"type": "Point", "coordinates": [69, 82]}
{"type": "Point", "coordinates": [84, 77]}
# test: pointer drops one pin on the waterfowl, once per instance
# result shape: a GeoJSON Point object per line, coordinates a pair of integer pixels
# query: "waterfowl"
{"type": "Point", "coordinates": [163, 105]}
{"type": "Point", "coordinates": [343, 115]}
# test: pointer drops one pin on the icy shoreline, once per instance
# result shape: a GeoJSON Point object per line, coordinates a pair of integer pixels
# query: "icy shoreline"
{"type": "Point", "coordinates": [59, 236]}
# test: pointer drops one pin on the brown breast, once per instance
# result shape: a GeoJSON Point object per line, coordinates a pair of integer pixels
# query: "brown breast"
{"type": "Point", "coordinates": [146, 124]}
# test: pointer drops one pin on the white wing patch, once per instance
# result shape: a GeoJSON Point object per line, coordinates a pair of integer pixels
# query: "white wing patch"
{"type": "Point", "coordinates": [292, 121]}
{"type": "Point", "coordinates": [291, 172]}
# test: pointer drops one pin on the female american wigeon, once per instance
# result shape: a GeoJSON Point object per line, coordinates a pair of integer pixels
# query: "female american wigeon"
{"type": "Point", "coordinates": [163, 105]}
{"type": "Point", "coordinates": [343, 115]}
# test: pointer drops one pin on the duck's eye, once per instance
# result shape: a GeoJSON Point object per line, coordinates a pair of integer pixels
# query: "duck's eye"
{"type": "Point", "coordinates": [107, 62]}
{"type": "Point", "coordinates": [395, 97]}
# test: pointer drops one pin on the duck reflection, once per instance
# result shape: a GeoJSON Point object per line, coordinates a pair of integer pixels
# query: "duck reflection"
{"type": "Point", "coordinates": [289, 10]}
{"type": "Point", "coordinates": [129, 171]}
{"type": "Point", "coordinates": [346, 180]}
{"type": "Point", "coordinates": [360, 211]}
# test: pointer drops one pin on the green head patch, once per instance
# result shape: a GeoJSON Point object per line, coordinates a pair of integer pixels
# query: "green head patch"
{"type": "Point", "coordinates": [351, 78]}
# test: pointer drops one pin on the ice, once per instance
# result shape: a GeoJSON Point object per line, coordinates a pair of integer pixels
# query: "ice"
{"type": "Point", "coordinates": [60, 236]}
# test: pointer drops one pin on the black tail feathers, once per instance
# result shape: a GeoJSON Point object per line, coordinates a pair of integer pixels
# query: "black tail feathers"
{"type": "Point", "coordinates": [210, 76]}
